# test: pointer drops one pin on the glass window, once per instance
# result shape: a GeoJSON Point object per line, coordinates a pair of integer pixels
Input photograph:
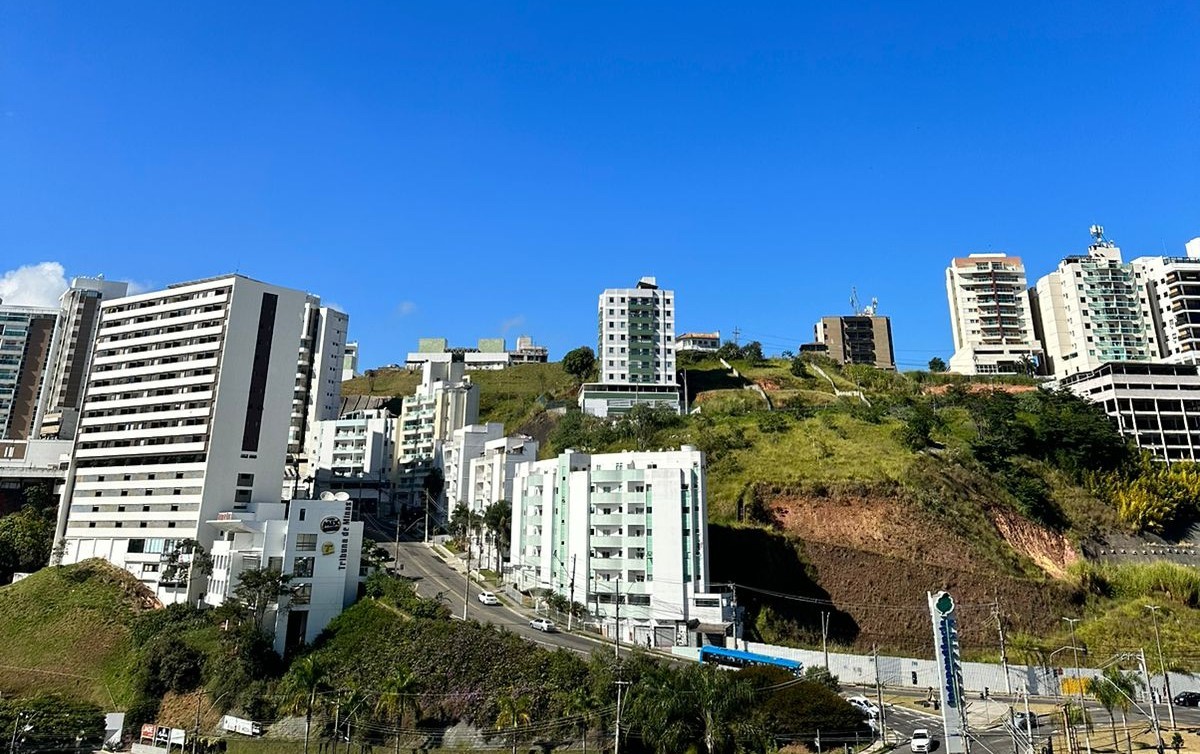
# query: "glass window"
{"type": "Point", "coordinates": [306, 542]}
{"type": "Point", "coordinates": [302, 594]}
{"type": "Point", "coordinates": [302, 568]}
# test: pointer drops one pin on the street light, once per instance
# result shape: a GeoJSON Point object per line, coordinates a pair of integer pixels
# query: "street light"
{"type": "Point", "coordinates": [1161, 664]}
{"type": "Point", "coordinates": [1087, 736]}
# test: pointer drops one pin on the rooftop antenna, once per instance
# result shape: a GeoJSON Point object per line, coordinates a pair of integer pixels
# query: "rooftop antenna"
{"type": "Point", "coordinates": [854, 299]}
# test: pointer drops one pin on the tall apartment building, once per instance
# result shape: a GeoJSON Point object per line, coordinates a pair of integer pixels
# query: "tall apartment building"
{"type": "Point", "coordinates": [71, 354]}
{"type": "Point", "coordinates": [445, 400]}
{"type": "Point", "coordinates": [317, 393]}
{"type": "Point", "coordinates": [630, 531]}
{"type": "Point", "coordinates": [857, 339]}
{"type": "Point", "coordinates": [464, 446]}
{"type": "Point", "coordinates": [26, 333]}
{"type": "Point", "coordinates": [635, 351]}
{"type": "Point", "coordinates": [990, 315]}
{"type": "Point", "coordinates": [1171, 289]}
{"type": "Point", "coordinates": [1090, 311]}
{"type": "Point", "coordinates": [350, 361]}
{"type": "Point", "coordinates": [491, 475]}
{"type": "Point", "coordinates": [188, 412]}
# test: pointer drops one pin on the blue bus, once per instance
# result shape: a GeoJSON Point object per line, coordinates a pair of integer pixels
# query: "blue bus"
{"type": "Point", "coordinates": [736, 658]}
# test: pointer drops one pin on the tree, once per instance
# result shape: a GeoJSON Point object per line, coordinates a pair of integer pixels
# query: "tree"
{"type": "Point", "coordinates": [699, 706]}
{"type": "Point", "coordinates": [798, 367]}
{"type": "Point", "coordinates": [26, 536]}
{"type": "Point", "coordinates": [300, 688]}
{"type": "Point", "coordinates": [398, 696]}
{"type": "Point", "coordinates": [259, 588]}
{"type": "Point", "coordinates": [936, 364]}
{"type": "Point", "coordinates": [579, 363]}
{"type": "Point", "coordinates": [514, 712]}
{"type": "Point", "coordinates": [729, 351]}
{"type": "Point", "coordinates": [176, 570]}
{"type": "Point", "coordinates": [498, 519]}
{"type": "Point", "coordinates": [1113, 690]}
{"type": "Point", "coordinates": [752, 352]}
{"type": "Point", "coordinates": [51, 723]}
{"type": "Point", "coordinates": [642, 422]}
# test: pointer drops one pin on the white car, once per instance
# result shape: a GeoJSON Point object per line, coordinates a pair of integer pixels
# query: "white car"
{"type": "Point", "coordinates": [543, 624]}
{"type": "Point", "coordinates": [920, 741]}
{"type": "Point", "coordinates": [864, 704]}
{"type": "Point", "coordinates": [488, 598]}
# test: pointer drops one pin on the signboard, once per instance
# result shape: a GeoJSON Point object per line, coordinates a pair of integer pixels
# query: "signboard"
{"type": "Point", "coordinates": [949, 662]}
{"type": "Point", "coordinates": [241, 725]}
{"type": "Point", "coordinates": [148, 731]}
{"type": "Point", "coordinates": [344, 554]}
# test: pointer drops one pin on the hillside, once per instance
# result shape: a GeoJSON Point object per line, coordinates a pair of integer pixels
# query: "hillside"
{"type": "Point", "coordinates": [68, 630]}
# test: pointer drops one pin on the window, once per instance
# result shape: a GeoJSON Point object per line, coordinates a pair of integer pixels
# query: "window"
{"type": "Point", "coordinates": [275, 563]}
{"type": "Point", "coordinates": [242, 496]}
{"type": "Point", "coordinates": [136, 545]}
{"type": "Point", "coordinates": [302, 594]}
{"type": "Point", "coordinates": [245, 480]}
{"type": "Point", "coordinates": [306, 542]}
{"type": "Point", "coordinates": [302, 512]}
{"type": "Point", "coordinates": [302, 568]}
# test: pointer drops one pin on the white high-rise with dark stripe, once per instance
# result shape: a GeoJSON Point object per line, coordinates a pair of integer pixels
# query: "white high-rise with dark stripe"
{"type": "Point", "coordinates": [188, 413]}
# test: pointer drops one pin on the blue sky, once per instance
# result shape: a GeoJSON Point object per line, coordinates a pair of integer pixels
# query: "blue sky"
{"type": "Point", "coordinates": [477, 169]}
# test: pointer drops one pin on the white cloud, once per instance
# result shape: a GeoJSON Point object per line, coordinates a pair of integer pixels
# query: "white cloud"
{"type": "Point", "coordinates": [406, 308]}
{"type": "Point", "coordinates": [511, 323]}
{"type": "Point", "coordinates": [33, 285]}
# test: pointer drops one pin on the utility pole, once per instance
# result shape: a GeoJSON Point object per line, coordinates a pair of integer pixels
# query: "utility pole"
{"type": "Point", "coordinates": [571, 604]}
{"type": "Point", "coordinates": [1153, 712]}
{"type": "Point", "coordinates": [1003, 652]}
{"type": "Point", "coordinates": [396, 564]}
{"type": "Point", "coordinates": [1087, 737]}
{"type": "Point", "coordinates": [736, 334]}
{"type": "Point", "coordinates": [426, 516]}
{"type": "Point", "coordinates": [737, 621]}
{"type": "Point", "coordinates": [617, 738]}
{"type": "Point", "coordinates": [1028, 720]}
{"type": "Point", "coordinates": [1162, 665]}
{"type": "Point", "coordinates": [879, 697]}
{"type": "Point", "coordinates": [617, 630]}
{"type": "Point", "coordinates": [825, 637]}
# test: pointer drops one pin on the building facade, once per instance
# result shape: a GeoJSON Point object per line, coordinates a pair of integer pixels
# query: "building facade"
{"type": "Point", "coordinates": [356, 454]}
{"type": "Point", "coordinates": [623, 533]}
{"type": "Point", "coordinates": [70, 355]}
{"type": "Point", "coordinates": [488, 353]}
{"type": "Point", "coordinates": [350, 361]}
{"type": "Point", "coordinates": [703, 342]}
{"type": "Point", "coordinates": [1090, 311]}
{"type": "Point", "coordinates": [317, 394]}
{"type": "Point", "coordinates": [1156, 405]}
{"type": "Point", "coordinates": [990, 315]}
{"type": "Point", "coordinates": [464, 446]}
{"type": "Point", "coordinates": [188, 411]}
{"type": "Point", "coordinates": [491, 475]}
{"type": "Point", "coordinates": [445, 400]}
{"type": "Point", "coordinates": [857, 339]}
{"type": "Point", "coordinates": [316, 542]}
{"type": "Point", "coordinates": [635, 351]}
{"type": "Point", "coordinates": [1171, 289]}
{"type": "Point", "coordinates": [26, 334]}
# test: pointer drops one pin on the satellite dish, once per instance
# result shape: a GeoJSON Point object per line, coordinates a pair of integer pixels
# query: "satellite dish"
{"type": "Point", "coordinates": [327, 496]}
{"type": "Point", "coordinates": [341, 497]}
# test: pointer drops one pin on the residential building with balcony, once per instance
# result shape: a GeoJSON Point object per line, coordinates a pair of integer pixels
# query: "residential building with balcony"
{"type": "Point", "coordinates": [317, 394]}
{"type": "Point", "coordinates": [356, 454]}
{"type": "Point", "coordinates": [635, 351]}
{"type": "Point", "coordinates": [1157, 405]}
{"type": "Point", "coordinates": [857, 339]}
{"type": "Point", "coordinates": [188, 411]}
{"type": "Point", "coordinates": [316, 542]}
{"type": "Point", "coordinates": [464, 446]}
{"type": "Point", "coordinates": [70, 355]}
{"type": "Point", "coordinates": [26, 334]}
{"type": "Point", "coordinates": [491, 475]}
{"type": "Point", "coordinates": [990, 315]}
{"type": "Point", "coordinates": [624, 533]}
{"type": "Point", "coordinates": [1090, 311]}
{"type": "Point", "coordinates": [1171, 289]}
{"type": "Point", "coordinates": [445, 400]}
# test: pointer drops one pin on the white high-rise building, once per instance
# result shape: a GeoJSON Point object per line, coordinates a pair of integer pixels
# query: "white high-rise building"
{"type": "Point", "coordinates": [187, 413]}
{"type": "Point", "coordinates": [1089, 311]}
{"type": "Point", "coordinates": [464, 446]}
{"type": "Point", "coordinates": [635, 351]}
{"type": "Point", "coordinates": [492, 474]}
{"type": "Point", "coordinates": [318, 389]}
{"type": "Point", "coordinates": [71, 355]}
{"type": "Point", "coordinates": [990, 315]}
{"type": "Point", "coordinates": [445, 400]}
{"type": "Point", "coordinates": [1170, 287]}
{"type": "Point", "coordinates": [621, 532]}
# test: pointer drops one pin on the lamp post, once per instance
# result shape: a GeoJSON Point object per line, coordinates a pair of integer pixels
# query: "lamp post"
{"type": "Point", "coordinates": [1161, 664]}
{"type": "Point", "coordinates": [1087, 737]}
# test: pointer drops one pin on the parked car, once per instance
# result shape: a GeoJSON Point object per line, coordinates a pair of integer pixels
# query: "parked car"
{"type": "Point", "coordinates": [865, 705]}
{"type": "Point", "coordinates": [1020, 722]}
{"type": "Point", "coordinates": [488, 598]}
{"type": "Point", "coordinates": [543, 624]}
{"type": "Point", "coordinates": [920, 741]}
{"type": "Point", "coordinates": [1187, 699]}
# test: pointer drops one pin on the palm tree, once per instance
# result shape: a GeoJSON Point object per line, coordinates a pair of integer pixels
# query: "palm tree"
{"type": "Point", "coordinates": [699, 706]}
{"type": "Point", "coordinates": [579, 702]}
{"type": "Point", "coordinates": [353, 700]}
{"type": "Point", "coordinates": [1108, 696]}
{"type": "Point", "coordinates": [397, 697]}
{"type": "Point", "coordinates": [300, 689]}
{"type": "Point", "coordinates": [514, 712]}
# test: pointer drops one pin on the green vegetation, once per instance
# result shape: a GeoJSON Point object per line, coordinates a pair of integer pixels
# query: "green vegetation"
{"type": "Point", "coordinates": [388, 382]}
{"type": "Point", "coordinates": [26, 536]}
{"type": "Point", "coordinates": [51, 723]}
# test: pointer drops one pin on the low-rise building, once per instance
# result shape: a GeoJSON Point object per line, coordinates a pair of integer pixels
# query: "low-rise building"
{"type": "Point", "coordinates": [704, 342]}
{"type": "Point", "coordinates": [350, 361]}
{"type": "Point", "coordinates": [488, 353]}
{"type": "Point", "coordinates": [626, 534]}
{"type": "Point", "coordinates": [527, 352]}
{"type": "Point", "coordinates": [316, 542]}
{"type": "Point", "coordinates": [1155, 405]}
{"type": "Point", "coordinates": [491, 475]}
{"type": "Point", "coordinates": [465, 445]}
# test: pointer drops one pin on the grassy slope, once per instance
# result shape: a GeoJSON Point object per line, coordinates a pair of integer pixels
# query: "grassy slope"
{"type": "Point", "coordinates": [72, 624]}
